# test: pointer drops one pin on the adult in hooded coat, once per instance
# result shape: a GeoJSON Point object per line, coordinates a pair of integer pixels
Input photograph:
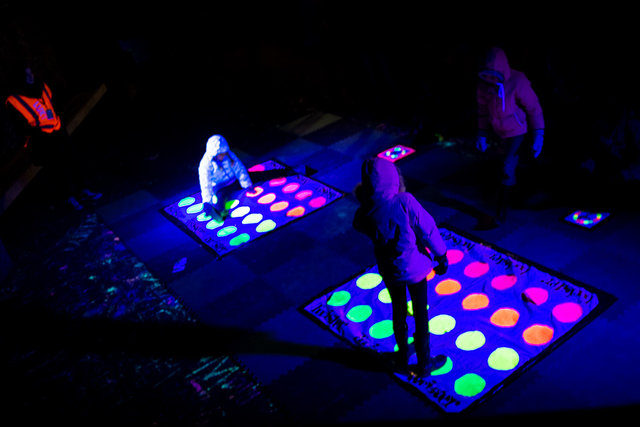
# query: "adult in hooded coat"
{"type": "Point", "coordinates": [401, 230]}
{"type": "Point", "coordinates": [221, 173]}
{"type": "Point", "coordinates": [508, 106]}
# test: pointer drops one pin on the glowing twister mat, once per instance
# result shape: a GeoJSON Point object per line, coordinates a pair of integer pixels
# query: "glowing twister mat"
{"type": "Point", "coordinates": [586, 219]}
{"type": "Point", "coordinates": [492, 315]}
{"type": "Point", "coordinates": [255, 211]}
{"type": "Point", "coordinates": [396, 153]}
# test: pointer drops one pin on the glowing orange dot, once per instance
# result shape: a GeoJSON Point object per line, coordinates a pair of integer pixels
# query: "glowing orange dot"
{"type": "Point", "coordinates": [505, 317]}
{"type": "Point", "coordinates": [475, 302]}
{"type": "Point", "coordinates": [538, 334]}
{"type": "Point", "coordinates": [431, 274]}
{"type": "Point", "coordinates": [280, 206]}
{"type": "Point", "coordinates": [476, 269]}
{"type": "Point", "coordinates": [454, 256]}
{"type": "Point", "coordinates": [277, 181]}
{"type": "Point", "coordinates": [297, 211]}
{"type": "Point", "coordinates": [266, 199]}
{"type": "Point", "coordinates": [255, 192]}
{"type": "Point", "coordinates": [448, 287]}
{"type": "Point", "coordinates": [290, 188]}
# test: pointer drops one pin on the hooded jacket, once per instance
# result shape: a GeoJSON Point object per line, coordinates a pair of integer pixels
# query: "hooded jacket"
{"type": "Point", "coordinates": [399, 227]}
{"type": "Point", "coordinates": [214, 173]}
{"type": "Point", "coordinates": [506, 101]}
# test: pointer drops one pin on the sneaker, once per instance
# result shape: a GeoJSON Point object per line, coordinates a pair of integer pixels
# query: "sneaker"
{"type": "Point", "coordinates": [435, 363]}
{"type": "Point", "coordinates": [75, 203]}
{"type": "Point", "coordinates": [90, 195]}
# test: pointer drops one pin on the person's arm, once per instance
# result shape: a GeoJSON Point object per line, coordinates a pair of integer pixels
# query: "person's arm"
{"type": "Point", "coordinates": [206, 186]}
{"type": "Point", "coordinates": [241, 173]}
{"type": "Point", "coordinates": [527, 98]}
{"type": "Point", "coordinates": [483, 120]}
{"type": "Point", "coordinates": [428, 234]}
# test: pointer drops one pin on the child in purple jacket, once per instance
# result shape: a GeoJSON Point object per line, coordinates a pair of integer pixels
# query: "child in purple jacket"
{"type": "Point", "coordinates": [509, 107]}
{"type": "Point", "coordinates": [401, 230]}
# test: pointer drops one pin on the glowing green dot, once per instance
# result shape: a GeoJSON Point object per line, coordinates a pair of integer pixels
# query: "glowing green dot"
{"type": "Point", "coordinates": [186, 201]}
{"type": "Point", "coordinates": [382, 329]}
{"type": "Point", "coordinates": [410, 308]}
{"type": "Point", "coordinates": [230, 204]}
{"type": "Point", "coordinates": [194, 208]}
{"type": "Point", "coordinates": [503, 359]}
{"type": "Point", "coordinates": [359, 313]}
{"type": "Point", "coordinates": [445, 369]}
{"type": "Point", "coordinates": [471, 340]}
{"type": "Point", "coordinates": [213, 224]}
{"type": "Point", "coordinates": [369, 280]}
{"type": "Point", "coordinates": [409, 341]}
{"type": "Point", "coordinates": [384, 296]}
{"type": "Point", "coordinates": [339, 298]}
{"type": "Point", "coordinates": [241, 211]}
{"type": "Point", "coordinates": [266, 225]}
{"type": "Point", "coordinates": [240, 239]}
{"type": "Point", "coordinates": [202, 217]}
{"type": "Point", "coordinates": [227, 231]}
{"type": "Point", "coordinates": [253, 218]}
{"type": "Point", "coordinates": [469, 385]}
{"type": "Point", "coordinates": [441, 324]}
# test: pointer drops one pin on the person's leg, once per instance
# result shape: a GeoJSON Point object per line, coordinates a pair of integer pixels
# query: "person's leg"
{"type": "Point", "coordinates": [509, 169]}
{"type": "Point", "coordinates": [224, 193]}
{"type": "Point", "coordinates": [418, 292]}
{"type": "Point", "coordinates": [398, 293]}
{"type": "Point", "coordinates": [426, 363]}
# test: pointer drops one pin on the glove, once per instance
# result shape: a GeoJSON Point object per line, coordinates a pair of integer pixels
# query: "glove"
{"type": "Point", "coordinates": [481, 143]}
{"type": "Point", "coordinates": [443, 265]}
{"type": "Point", "coordinates": [538, 138]}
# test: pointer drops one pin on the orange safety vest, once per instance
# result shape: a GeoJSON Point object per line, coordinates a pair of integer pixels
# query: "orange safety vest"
{"type": "Point", "coordinates": [38, 112]}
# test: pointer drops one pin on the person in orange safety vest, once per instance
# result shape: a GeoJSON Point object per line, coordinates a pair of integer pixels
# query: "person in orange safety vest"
{"type": "Point", "coordinates": [47, 141]}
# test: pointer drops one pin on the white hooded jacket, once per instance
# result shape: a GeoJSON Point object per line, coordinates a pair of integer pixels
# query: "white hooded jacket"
{"type": "Point", "coordinates": [214, 173]}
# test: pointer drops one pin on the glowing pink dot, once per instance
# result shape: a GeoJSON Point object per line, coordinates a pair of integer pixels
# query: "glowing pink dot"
{"type": "Point", "coordinates": [255, 192]}
{"type": "Point", "coordinates": [567, 312]}
{"type": "Point", "coordinates": [257, 168]}
{"type": "Point", "coordinates": [277, 181]}
{"type": "Point", "coordinates": [280, 206]}
{"type": "Point", "coordinates": [454, 256]}
{"type": "Point", "coordinates": [503, 282]}
{"type": "Point", "coordinates": [266, 199]}
{"type": "Point", "coordinates": [290, 188]}
{"type": "Point", "coordinates": [303, 194]}
{"type": "Point", "coordinates": [476, 269]}
{"type": "Point", "coordinates": [535, 295]}
{"type": "Point", "coordinates": [317, 202]}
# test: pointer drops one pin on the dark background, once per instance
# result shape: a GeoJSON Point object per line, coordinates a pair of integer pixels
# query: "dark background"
{"type": "Point", "coordinates": [411, 63]}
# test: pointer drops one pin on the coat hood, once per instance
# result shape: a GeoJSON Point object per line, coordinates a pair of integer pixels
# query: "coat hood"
{"type": "Point", "coordinates": [495, 64]}
{"type": "Point", "coordinates": [380, 177]}
{"type": "Point", "coordinates": [217, 144]}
